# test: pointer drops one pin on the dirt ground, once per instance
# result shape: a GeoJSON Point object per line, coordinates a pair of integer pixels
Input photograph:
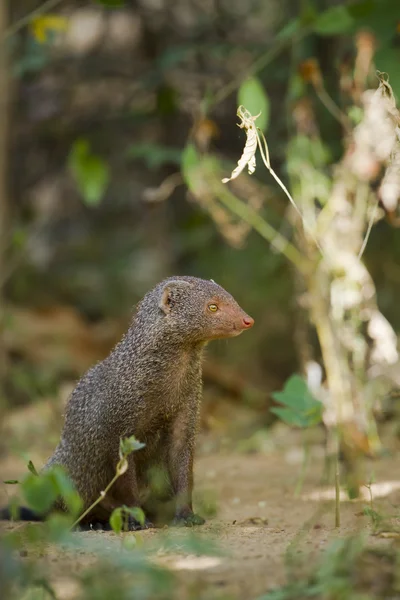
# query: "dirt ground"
{"type": "Point", "coordinates": [258, 517]}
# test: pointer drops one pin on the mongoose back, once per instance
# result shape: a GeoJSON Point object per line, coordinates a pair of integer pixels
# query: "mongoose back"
{"type": "Point", "coordinates": [149, 386]}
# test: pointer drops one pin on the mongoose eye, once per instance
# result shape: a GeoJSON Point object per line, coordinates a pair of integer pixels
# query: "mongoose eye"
{"type": "Point", "coordinates": [213, 307]}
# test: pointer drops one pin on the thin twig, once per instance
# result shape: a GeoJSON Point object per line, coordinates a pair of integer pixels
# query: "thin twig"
{"type": "Point", "coordinates": [332, 107]}
{"type": "Point", "coordinates": [164, 190]}
{"type": "Point", "coordinates": [24, 21]}
{"type": "Point", "coordinates": [370, 225]}
{"type": "Point", "coordinates": [284, 188]}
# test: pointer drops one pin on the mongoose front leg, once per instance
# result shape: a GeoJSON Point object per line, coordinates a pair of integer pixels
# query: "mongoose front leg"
{"type": "Point", "coordinates": [181, 451]}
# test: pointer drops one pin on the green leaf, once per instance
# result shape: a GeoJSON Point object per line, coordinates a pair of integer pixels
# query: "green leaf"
{"type": "Point", "coordinates": [362, 9]}
{"type": "Point", "coordinates": [136, 513]}
{"type": "Point", "coordinates": [66, 489]}
{"type": "Point", "coordinates": [11, 481]}
{"type": "Point", "coordinates": [189, 164]}
{"type": "Point", "coordinates": [294, 394]}
{"type": "Point", "coordinates": [39, 492]}
{"type": "Point", "coordinates": [299, 407]}
{"type": "Point", "coordinates": [90, 172]}
{"type": "Point", "coordinates": [31, 468]}
{"type": "Point", "coordinates": [119, 516]}
{"type": "Point", "coordinates": [129, 445]}
{"type": "Point", "coordinates": [314, 415]}
{"type": "Point", "coordinates": [116, 520]}
{"type": "Point", "coordinates": [290, 417]}
{"type": "Point", "coordinates": [335, 20]}
{"type": "Point", "coordinates": [253, 96]}
{"type": "Point", "coordinates": [289, 30]}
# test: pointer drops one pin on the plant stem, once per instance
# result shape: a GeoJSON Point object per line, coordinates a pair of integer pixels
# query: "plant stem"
{"type": "Point", "coordinates": [250, 216]}
{"type": "Point", "coordinates": [331, 107]}
{"type": "Point", "coordinates": [99, 499]}
{"type": "Point", "coordinates": [370, 225]}
{"type": "Point", "coordinates": [337, 488]}
{"type": "Point", "coordinates": [267, 163]}
{"type": "Point", "coordinates": [303, 470]}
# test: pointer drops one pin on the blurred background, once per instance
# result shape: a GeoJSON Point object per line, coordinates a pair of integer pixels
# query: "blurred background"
{"type": "Point", "coordinates": [100, 99]}
{"type": "Point", "coordinates": [118, 121]}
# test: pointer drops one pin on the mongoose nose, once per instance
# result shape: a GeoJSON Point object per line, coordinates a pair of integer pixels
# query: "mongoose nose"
{"type": "Point", "coordinates": [248, 322]}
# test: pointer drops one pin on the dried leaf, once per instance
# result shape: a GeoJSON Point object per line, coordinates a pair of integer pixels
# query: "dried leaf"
{"type": "Point", "coordinates": [390, 187]}
{"type": "Point", "coordinates": [248, 157]}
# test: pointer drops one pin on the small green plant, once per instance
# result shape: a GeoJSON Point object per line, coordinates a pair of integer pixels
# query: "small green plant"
{"type": "Point", "coordinates": [299, 407]}
{"type": "Point", "coordinates": [40, 491]}
{"type": "Point", "coordinates": [120, 516]}
{"type": "Point", "coordinates": [376, 518]}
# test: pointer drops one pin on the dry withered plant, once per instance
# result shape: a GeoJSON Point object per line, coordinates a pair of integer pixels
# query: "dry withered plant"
{"type": "Point", "coordinates": [337, 214]}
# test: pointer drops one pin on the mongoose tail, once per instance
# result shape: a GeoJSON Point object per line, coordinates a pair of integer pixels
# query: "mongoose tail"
{"type": "Point", "coordinates": [22, 512]}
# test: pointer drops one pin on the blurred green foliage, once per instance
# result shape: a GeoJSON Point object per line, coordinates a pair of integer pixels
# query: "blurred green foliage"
{"type": "Point", "coordinates": [348, 570]}
{"type": "Point", "coordinates": [114, 146]}
{"type": "Point", "coordinates": [90, 172]}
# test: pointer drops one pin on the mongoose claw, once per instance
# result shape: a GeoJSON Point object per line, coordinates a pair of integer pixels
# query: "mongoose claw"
{"type": "Point", "coordinates": [190, 520]}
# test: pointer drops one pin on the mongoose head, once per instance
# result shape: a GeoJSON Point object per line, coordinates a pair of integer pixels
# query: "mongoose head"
{"type": "Point", "coordinates": [200, 310]}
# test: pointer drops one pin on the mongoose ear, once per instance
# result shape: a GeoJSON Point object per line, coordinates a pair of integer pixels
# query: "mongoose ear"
{"type": "Point", "coordinates": [169, 291]}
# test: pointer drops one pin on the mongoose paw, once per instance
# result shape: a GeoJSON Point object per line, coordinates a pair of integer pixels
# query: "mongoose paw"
{"type": "Point", "coordinates": [131, 525]}
{"type": "Point", "coordinates": [94, 526]}
{"type": "Point", "coordinates": [134, 525]}
{"type": "Point", "coordinates": [188, 520]}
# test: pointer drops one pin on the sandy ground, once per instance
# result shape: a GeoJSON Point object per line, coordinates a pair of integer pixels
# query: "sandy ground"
{"type": "Point", "coordinates": [258, 517]}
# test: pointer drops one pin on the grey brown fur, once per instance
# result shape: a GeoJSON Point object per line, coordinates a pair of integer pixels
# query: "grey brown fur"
{"type": "Point", "coordinates": [149, 386]}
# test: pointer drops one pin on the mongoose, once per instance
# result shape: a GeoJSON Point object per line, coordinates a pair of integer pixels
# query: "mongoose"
{"type": "Point", "coordinates": [149, 386]}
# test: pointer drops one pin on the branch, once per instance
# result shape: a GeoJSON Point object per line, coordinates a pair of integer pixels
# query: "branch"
{"type": "Point", "coordinates": [260, 63]}
{"type": "Point", "coordinates": [45, 7]}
